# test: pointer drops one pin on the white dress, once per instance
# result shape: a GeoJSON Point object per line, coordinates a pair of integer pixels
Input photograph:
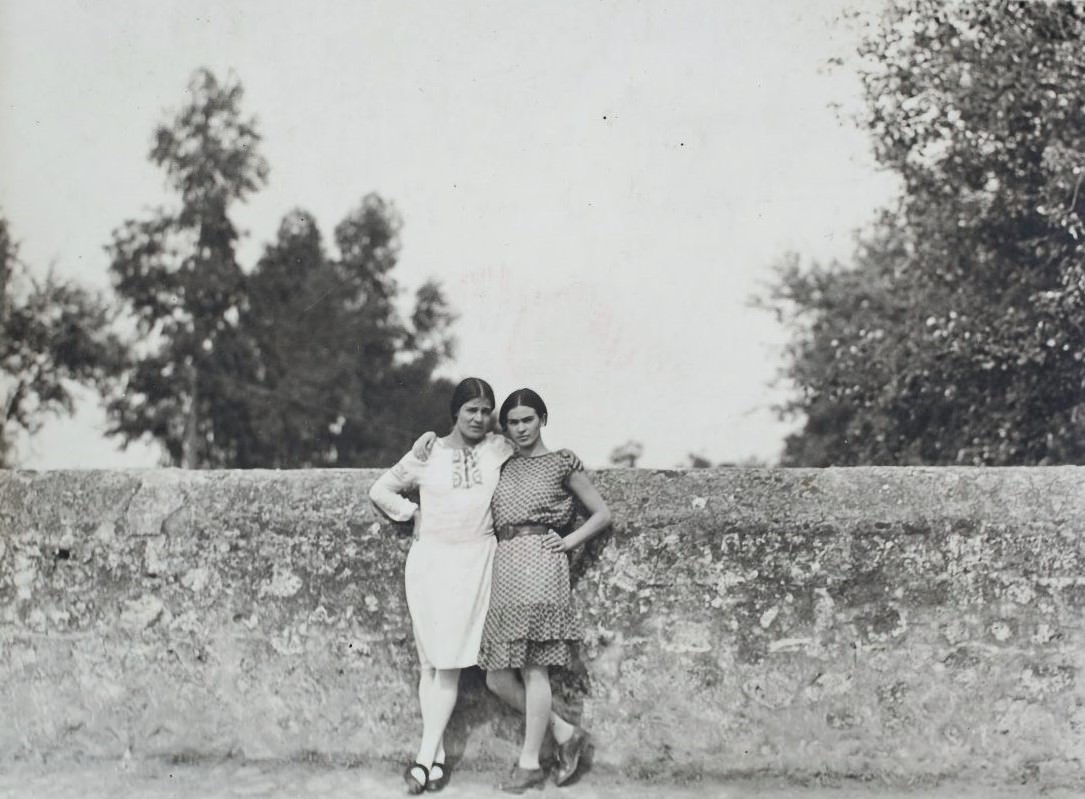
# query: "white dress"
{"type": "Point", "coordinates": [449, 567]}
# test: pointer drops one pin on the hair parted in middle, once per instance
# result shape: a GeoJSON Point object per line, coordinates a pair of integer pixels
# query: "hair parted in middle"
{"type": "Point", "coordinates": [525, 397]}
{"type": "Point", "coordinates": [469, 389]}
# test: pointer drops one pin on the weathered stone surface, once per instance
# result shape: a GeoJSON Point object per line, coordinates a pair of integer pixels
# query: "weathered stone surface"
{"type": "Point", "coordinates": [893, 622]}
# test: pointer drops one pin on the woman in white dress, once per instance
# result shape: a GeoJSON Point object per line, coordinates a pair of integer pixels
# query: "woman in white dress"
{"type": "Point", "coordinates": [449, 564]}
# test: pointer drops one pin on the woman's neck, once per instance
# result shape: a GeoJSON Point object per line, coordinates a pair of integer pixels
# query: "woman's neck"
{"type": "Point", "coordinates": [538, 448]}
{"type": "Point", "coordinates": [456, 440]}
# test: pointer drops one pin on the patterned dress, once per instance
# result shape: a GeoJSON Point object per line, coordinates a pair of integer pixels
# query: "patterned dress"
{"type": "Point", "coordinates": [448, 568]}
{"type": "Point", "coordinates": [531, 619]}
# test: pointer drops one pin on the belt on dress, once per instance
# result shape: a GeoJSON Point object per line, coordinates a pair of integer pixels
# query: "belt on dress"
{"type": "Point", "coordinates": [507, 531]}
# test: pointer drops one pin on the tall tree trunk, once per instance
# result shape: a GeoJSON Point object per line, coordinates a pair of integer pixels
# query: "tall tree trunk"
{"type": "Point", "coordinates": [189, 455]}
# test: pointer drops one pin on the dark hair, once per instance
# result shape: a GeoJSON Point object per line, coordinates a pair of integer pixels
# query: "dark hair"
{"type": "Point", "coordinates": [525, 397]}
{"type": "Point", "coordinates": [470, 389]}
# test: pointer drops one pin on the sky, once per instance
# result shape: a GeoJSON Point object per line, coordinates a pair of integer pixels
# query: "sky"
{"type": "Point", "coordinates": [601, 187]}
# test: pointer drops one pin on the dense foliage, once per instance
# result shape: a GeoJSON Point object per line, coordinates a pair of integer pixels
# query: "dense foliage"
{"type": "Point", "coordinates": [54, 335]}
{"type": "Point", "coordinates": [304, 361]}
{"type": "Point", "coordinates": [957, 333]}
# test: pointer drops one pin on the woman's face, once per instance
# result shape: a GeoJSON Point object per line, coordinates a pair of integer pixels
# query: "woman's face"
{"type": "Point", "coordinates": [473, 419]}
{"type": "Point", "coordinates": [523, 425]}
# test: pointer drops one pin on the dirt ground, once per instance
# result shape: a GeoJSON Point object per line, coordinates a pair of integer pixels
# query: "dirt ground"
{"type": "Point", "coordinates": [279, 780]}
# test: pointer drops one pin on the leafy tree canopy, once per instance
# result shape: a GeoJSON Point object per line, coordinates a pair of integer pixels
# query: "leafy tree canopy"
{"type": "Point", "coordinates": [304, 361]}
{"type": "Point", "coordinates": [957, 332]}
{"type": "Point", "coordinates": [53, 336]}
{"type": "Point", "coordinates": [342, 380]}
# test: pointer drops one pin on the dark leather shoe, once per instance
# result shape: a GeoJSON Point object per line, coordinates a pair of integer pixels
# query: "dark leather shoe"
{"type": "Point", "coordinates": [520, 779]}
{"type": "Point", "coordinates": [439, 782]}
{"type": "Point", "coordinates": [415, 786]}
{"type": "Point", "coordinates": [569, 756]}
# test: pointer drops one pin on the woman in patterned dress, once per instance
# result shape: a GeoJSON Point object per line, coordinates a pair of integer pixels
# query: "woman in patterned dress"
{"type": "Point", "coordinates": [449, 565]}
{"type": "Point", "coordinates": [531, 624]}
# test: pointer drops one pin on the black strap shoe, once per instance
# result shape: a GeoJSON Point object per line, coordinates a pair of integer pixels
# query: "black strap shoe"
{"type": "Point", "coordinates": [410, 776]}
{"type": "Point", "coordinates": [439, 782]}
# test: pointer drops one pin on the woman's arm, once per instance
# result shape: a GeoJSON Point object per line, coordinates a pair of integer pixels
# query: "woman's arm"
{"type": "Point", "coordinates": [502, 445]}
{"type": "Point", "coordinates": [599, 520]}
{"type": "Point", "coordinates": [423, 445]}
{"type": "Point", "coordinates": [387, 492]}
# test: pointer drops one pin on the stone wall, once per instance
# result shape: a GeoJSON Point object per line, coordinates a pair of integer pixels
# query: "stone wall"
{"type": "Point", "coordinates": [897, 623]}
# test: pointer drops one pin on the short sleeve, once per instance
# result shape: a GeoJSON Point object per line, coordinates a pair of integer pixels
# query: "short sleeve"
{"type": "Point", "coordinates": [570, 463]}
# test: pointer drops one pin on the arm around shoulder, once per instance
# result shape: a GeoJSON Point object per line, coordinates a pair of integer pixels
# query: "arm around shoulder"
{"type": "Point", "coordinates": [423, 446]}
{"type": "Point", "coordinates": [501, 445]}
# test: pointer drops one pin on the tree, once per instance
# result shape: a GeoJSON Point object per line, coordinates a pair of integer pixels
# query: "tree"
{"type": "Point", "coordinates": [394, 394]}
{"type": "Point", "coordinates": [178, 273]}
{"type": "Point", "coordinates": [627, 454]}
{"type": "Point", "coordinates": [305, 361]}
{"type": "Point", "coordinates": [342, 381]}
{"type": "Point", "coordinates": [53, 335]}
{"type": "Point", "coordinates": [957, 334]}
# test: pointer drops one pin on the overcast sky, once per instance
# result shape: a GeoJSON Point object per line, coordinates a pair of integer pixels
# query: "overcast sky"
{"type": "Point", "coordinates": [600, 186]}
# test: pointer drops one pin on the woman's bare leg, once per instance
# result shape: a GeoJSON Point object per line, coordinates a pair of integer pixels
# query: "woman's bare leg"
{"type": "Point", "coordinates": [426, 676]}
{"type": "Point", "coordinates": [506, 684]}
{"type": "Point", "coordinates": [508, 687]}
{"type": "Point", "coordinates": [561, 729]}
{"type": "Point", "coordinates": [438, 698]}
{"type": "Point", "coordinates": [537, 698]}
